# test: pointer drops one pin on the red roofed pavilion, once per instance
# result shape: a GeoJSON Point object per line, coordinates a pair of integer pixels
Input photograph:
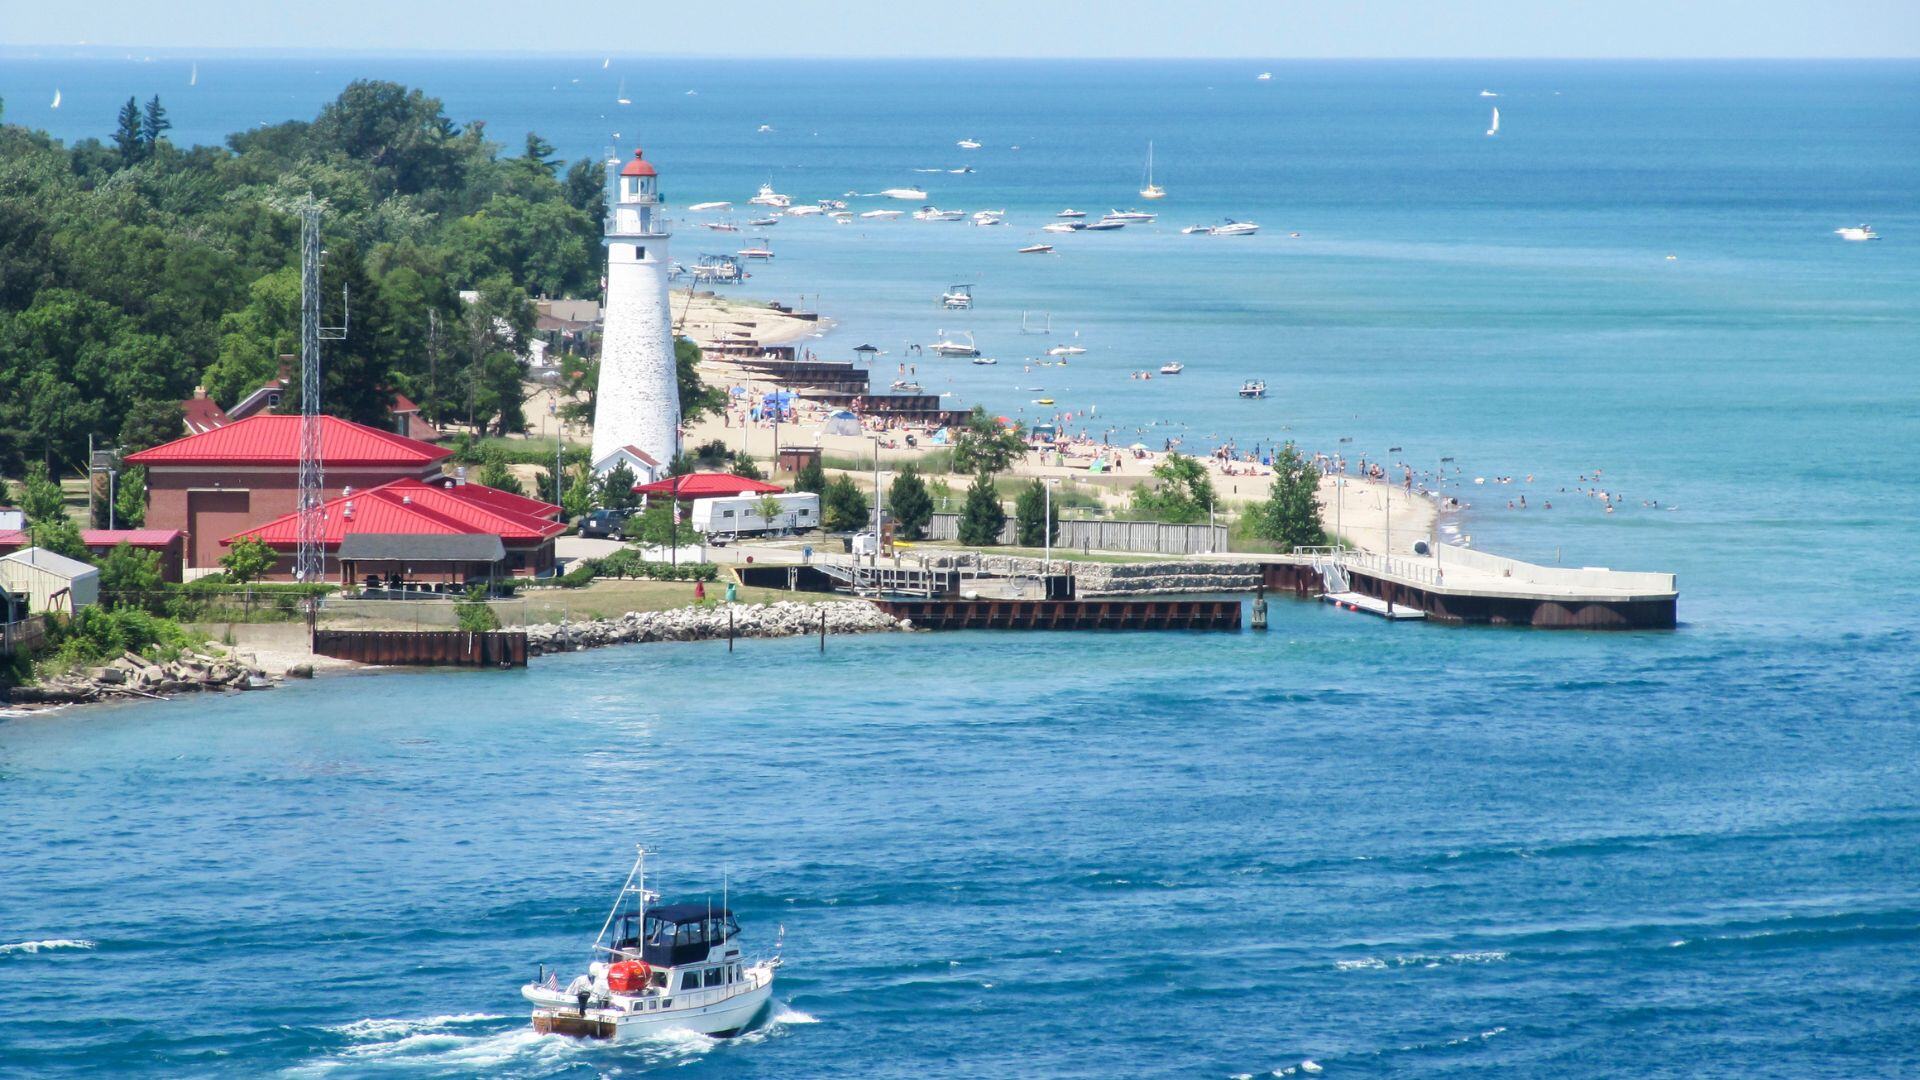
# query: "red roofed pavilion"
{"type": "Point", "coordinates": [707, 486]}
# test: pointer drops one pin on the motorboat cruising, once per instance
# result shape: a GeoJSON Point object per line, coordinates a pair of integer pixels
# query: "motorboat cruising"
{"type": "Point", "coordinates": [882, 215]}
{"type": "Point", "coordinates": [952, 346]}
{"type": "Point", "coordinates": [1173, 368]}
{"type": "Point", "coordinates": [904, 193]}
{"type": "Point", "coordinates": [1236, 228]}
{"type": "Point", "coordinates": [1130, 215]}
{"type": "Point", "coordinates": [763, 222]}
{"type": "Point", "coordinates": [1201, 230]}
{"type": "Point", "coordinates": [1857, 232]}
{"type": "Point", "coordinates": [657, 967]}
{"type": "Point", "coordinates": [721, 226]}
{"type": "Point", "coordinates": [968, 144]}
{"type": "Point", "coordinates": [1105, 224]}
{"type": "Point", "coordinates": [1062, 227]}
{"type": "Point", "coordinates": [770, 197]}
{"type": "Point", "coordinates": [804, 211]}
{"type": "Point", "coordinates": [1066, 350]}
{"type": "Point", "coordinates": [1070, 212]}
{"type": "Point", "coordinates": [1253, 388]}
{"type": "Point", "coordinates": [702, 206]}
{"type": "Point", "coordinates": [934, 213]}
{"type": "Point", "coordinates": [990, 217]}
{"type": "Point", "coordinates": [957, 297]}
{"type": "Point", "coordinates": [1037, 249]}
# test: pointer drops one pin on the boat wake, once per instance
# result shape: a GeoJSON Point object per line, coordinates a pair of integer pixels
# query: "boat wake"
{"type": "Point", "coordinates": [45, 946]}
{"type": "Point", "coordinates": [1374, 963]}
{"type": "Point", "coordinates": [469, 1044]}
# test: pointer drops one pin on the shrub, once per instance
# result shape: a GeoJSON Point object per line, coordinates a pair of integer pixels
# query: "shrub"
{"type": "Point", "coordinates": [474, 614]}
{"type": "Point", "coordinates": [248, 559]}
{"type": "Point", "coordinates": [1035, 515]}
{"type": "Point", "coordinates": [982, 517]}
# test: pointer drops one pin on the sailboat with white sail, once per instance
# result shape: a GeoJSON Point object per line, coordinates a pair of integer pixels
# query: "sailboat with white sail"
{"type": "Point", "coordinates": [1494, 129]}
{"type": "Point", "coordinates": [193, 76]}
{"type": "Point", "coordinates": [622, 96]}
{"type": "Point", "coordinates": [1151, 190]}
{"type": "Point", "coordinates": [56, 97]}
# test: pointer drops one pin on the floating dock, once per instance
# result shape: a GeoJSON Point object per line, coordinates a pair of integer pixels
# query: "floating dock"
{"type": "Point", "coordinates": [948, 614]}
{"type": "Point", "coordinates": [1354, 601]}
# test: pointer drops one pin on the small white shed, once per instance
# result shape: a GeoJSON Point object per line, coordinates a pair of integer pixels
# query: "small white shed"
{"type": "Point", "coordinates": [49, 581]}
{"type": "Point", "coordinates": [645, 469]}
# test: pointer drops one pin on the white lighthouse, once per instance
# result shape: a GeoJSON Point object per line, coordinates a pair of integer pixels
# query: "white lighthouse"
{"type": "Point", "coordinates": [638, 401]}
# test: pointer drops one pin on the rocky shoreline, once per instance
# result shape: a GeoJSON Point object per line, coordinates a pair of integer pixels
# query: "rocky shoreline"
{"type": "Point", "coordinates": [785, 618]}
{"type": "Point", "coordinates": [131, 675]}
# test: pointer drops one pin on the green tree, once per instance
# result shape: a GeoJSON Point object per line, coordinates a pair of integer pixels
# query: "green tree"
{"type": "Point", "coordinates": [1181, 491]}
{"type": "Point", "coordinates": [496, 474]}
{"type": "Point", "coordinates": [40, 496]}
{"type": "Point", "coordinates": [150, 422]}
{"type": "Point", "coordinates": [126, 137]}
{"type": "Point", "coordinates": [130, 498]}
{"type": "Point", "coordinates": [616, 488]}
{"type": "Point", "coordinates": [909, 503]}
{"type": "Point", "coordinates": [1034, 517]}
{"type": "Point", "coordinates": [153, 123]}
{"type": "Point", "coordinates": [985, 445]}
{"type": "Point", "coordinates": [769, 510]}
{"type": "Point", "coordinates": [654, 525]}
{"type": "Point", "coordinates": [741, 463]}
{"type": "Point", "coordinates": [540, 152]}
{"type": "Point", "coordinates": [130, 577]}
{"type": "Point", "coordinates": [401, 135]}
{"type": "Point", "coordinates": [248, 559]}
{"type": "Point", "coordinates": [696, 398]}
{"type": "Point", "coordinates": [812, 477]}
{"type": "Point", "coordinates": [981, 516]}
{"type": "Point", "coordinates": [844, 506]}
{"type": "Point", "coordinates": [253, 339]}
{"type": "Point", "coordinates": [494, 326]}
{"type": "Point", "coordinates": [474, 614]}
{"type": "Point", "coordinates": [1290, 514]}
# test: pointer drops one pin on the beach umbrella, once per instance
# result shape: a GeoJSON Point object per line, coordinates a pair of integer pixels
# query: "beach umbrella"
{"type": "Point", "coordinates": [842, 423]}
{"type": "Point", "coordinates": [1138, 446]}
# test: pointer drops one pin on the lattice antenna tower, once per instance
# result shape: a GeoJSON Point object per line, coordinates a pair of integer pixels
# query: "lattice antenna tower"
{"type": "Point", "coordinates": [309, 561]}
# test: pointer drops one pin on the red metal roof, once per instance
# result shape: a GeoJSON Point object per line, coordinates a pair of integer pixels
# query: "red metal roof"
{"type": "Point", "coordinates": [413, 508]}
{"type": "Point", "coordinates": [706, 486]}
{"type": "Point", "coordinates": [639, 166]}
{"type": "Point", "coordinates": [140, 538]}
{"type": "Point", "coordinates": [500, 500]}
{"type": "Point", "coordinates": [274, 439]}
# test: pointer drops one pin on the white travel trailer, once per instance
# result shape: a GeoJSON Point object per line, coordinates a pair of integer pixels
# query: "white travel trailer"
{"type": "Point", "coordinates": [740, 515]}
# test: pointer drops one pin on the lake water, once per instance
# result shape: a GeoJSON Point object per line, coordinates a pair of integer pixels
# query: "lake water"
{"type": "Point", "coordinates": [1384, 849]}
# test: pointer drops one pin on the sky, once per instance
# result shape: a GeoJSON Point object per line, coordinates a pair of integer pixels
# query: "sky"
{"type": "Point", "coordinates": [748, 29]}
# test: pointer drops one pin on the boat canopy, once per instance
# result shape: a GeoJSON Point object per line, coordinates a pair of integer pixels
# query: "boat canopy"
{"type": "Point", "coordinates": [675, 934]}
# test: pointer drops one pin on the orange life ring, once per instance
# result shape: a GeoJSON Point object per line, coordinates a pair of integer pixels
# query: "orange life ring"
{"type": "Point", "coordinates": [629, 976]}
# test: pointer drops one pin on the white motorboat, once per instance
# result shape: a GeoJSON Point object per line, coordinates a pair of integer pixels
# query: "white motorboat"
{"type": "Point", "coordinates": [934, 213]}
{"type": "Point", "coordinates": [1236, 228]}
{"type": "Point", "coordinates": [841, 217]}
{"type": "Point", "coordinates": [952, 346]}
{"type": "Point", "coordinates": [1070, 212]}
{"type": "Point", "coordinates": [622, 97]}
{"type": "Point", "coordinates": [756, 251]}
{"type": "Point", "coordinates": [1066, 350]}
{"type": "Point", "coordinates": [904, 193]}
{"type": "Point", "coordinates": [833, 204]}
{"type": "Point", "coordinates": [1494, 128]}
{"type": "Point", "coordinates": [883, 215]}
{"type": "Point", "coordinates": [765, 128]}
{"type": "Point", "coordinates": [990, 217]}
{"type": "Point", "coordinates": [701, 206]}
{"type": "Point", "coordinates": [1253, 388]}
{"type": "Point", "coordinates": [968, 144]}
{"type": "Point", "coordinates": [1062, 227]}
{"type": "Point", "coordinates": [1857, 232]}
{"type": "Point", "coordinates": [1149, 189]}
{"type": "Point", "coordinates": [983, 361]}
{"type": "Point", "coordinates": [1488, 93]}
{"type": "Point", "coordinates": [906, 386]}
{"type": "Point", "coordinates": [655, 968]}
{"type": "Point", "coordinates": [1130, 215]}
{"type": "Point", "coordinates": [1265, 76]}
{"type": "Point", "coordinates": [758, 222]}
{"type": "Point", "coordinates": [1192, 230]}
{"type": "Point", "coordinates": [803, 211]}
{"type": "Point", "coordinates": [1174, 368]}
{"type": "Point", "coordinates": [1037, 249]}
{"type": "Point", "coordinates": [721, 226]}
{"type": "Point", "coordinates": [957, 297]}
{"type": "Point", "coordinates": [770, 197]}
{"type": "Point", "coordinates": [1105, 224]}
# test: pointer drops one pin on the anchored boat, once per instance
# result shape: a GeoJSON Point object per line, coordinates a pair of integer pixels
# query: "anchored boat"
{"type": "Point", "coordinates": [655, 968]}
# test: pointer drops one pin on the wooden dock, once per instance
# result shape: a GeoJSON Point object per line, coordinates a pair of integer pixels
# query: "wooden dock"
{"type": "Point", "coordinates": [1372, 605]}
{"type": "Point", "coordinates": [424, 648]}
{"type": "Point", "coordinates": [948, 614]}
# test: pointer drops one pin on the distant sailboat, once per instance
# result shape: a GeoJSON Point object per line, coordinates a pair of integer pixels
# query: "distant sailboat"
{"type": "Point", "coordinates": [1151, 190]}
{"type": "Point", "coordinates": [1495, 129]}
{"type": "Point", "coordinates": [193, 78]}
{"type": "Point", "coordinates": [623, 99]}
{"type": "Point", "coordinates": [1265, 76]}
{"type": "Point", "coordinates": [605, 63]}
{"type": "Point", "coordinates": [56, 97]}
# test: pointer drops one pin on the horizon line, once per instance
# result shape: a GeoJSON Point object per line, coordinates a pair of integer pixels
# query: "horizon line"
{"type": "Point", "coordinates": [31, 50]}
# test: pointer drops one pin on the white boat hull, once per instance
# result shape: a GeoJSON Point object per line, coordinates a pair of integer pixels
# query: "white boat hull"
{"type": "Point", "coordinates": [720, 1012]}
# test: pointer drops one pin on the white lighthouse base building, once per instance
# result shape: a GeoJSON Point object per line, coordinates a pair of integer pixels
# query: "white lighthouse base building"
{"type": "Point", "coordinates": [638, 400]}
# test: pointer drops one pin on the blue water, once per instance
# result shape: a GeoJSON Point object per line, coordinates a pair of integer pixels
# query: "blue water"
{"type": "Point", "coordinates": [1384, 849]}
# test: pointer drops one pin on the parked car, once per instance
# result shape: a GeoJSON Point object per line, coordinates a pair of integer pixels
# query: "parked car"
{"type": "Point", "coordinates": [611, 524]}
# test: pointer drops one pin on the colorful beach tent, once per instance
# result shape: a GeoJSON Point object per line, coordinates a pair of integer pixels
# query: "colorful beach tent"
{"type": "Point", "coordinates": [706, 486]}
{"type": "Point", "coordinates": [842, 423]}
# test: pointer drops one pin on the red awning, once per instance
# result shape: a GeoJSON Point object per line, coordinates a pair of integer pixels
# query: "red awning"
{"type": "Point", "coordinates": [707, 486]}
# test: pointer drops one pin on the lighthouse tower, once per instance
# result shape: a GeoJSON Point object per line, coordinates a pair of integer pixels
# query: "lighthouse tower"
{"type": "Point", "coordinates": [638, 401]}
